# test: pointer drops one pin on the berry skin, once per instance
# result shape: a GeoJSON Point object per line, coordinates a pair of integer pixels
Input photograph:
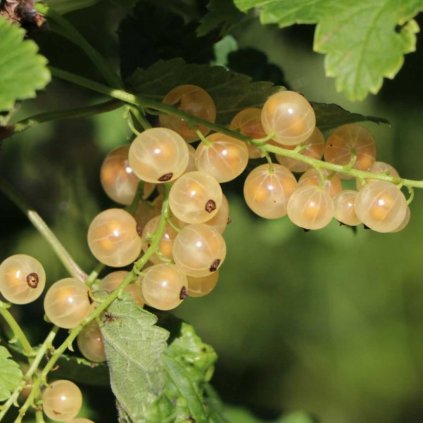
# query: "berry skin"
{"type": "Point", "coordinates": [381, 206]}
{"type": "Point", "coordinates": [348, 141]}
{"type": "Point", "coordinates": [164, 286]}
{"type": "Point", "coordinates": [193, 100]}
{"type": "Point", "coordinates": [22, 279]}
{"type": "Point", "coordinates": [344, 208]}
{"type": "Point", "coordinates": [90, 343]}
{"type": "Point", "coordinates": [166, 243]}
{"type": "Point", "coordinates": [310, 207]}
{"type": "Point", "coordinates": [117, 177]}
{"type": "Point", "coordinates": [267, 190]}
{"type": "Point", "coordinates": [195, 197]}
{"type": "Point", "coordinates": [67, 303]}
{"type": "Point", "coordinates": [248, 123]}
{"type": "Point", "coordinates": [312, 147]}
{"type": "Point", "coordinates": [199, 250]}
{"type": "Point", "coordinates": [222, 156]}
{"type": "Point", "coordinates": [62, 400]}
{"type": "Point", "coordinates": [158, 155]}
{"type": "Point", "coordinates": [112, 281]}
{"type": "Point", "coordinates": [288, 117]}
{"type": "Point", "coordinates": [113, 238]}
{"type": "Point", "coordinates": [330, 180]}
{"type": "Point", "coordinates": [199, 287]}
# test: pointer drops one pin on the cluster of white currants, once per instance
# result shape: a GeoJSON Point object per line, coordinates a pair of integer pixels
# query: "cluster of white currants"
{"type": "Point", "coordinates": [192, 248]}
{"type": "Point", "coordinates": [195, 213]}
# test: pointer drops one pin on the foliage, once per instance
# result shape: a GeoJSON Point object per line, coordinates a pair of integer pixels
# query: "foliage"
{"type": "Point", "coordinates": [10, 374]}
{"type": "Point", "coordinates": [22, 70]}
{"type": "Point", "coordinates": [358, 59]}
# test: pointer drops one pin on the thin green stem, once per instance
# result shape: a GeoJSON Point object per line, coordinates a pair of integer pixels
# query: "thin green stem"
{"type": "Point", "coordinates": [68, 31]}
{"type": "Point", "coordinates": [30, 372]}
{"type": "Point", "coordinates": [132, 275]}
{"type": "Point", "coordinates": [74, 113]}
{"type": "Point", "coordinates": [39, 417]}
{"type": "Point", "coordinates": [145, 124]}
{"type": "Point", "coordinates": [44, 230]}
{"type": "Point", "coordinates": [141, 101]}
{"type": "Point", "coordinates": [18, 334]}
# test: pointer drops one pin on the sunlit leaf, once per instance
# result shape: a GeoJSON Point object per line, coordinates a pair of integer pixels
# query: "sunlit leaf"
{"type": "Point", "coordinates": [364, 41]}
{"type": "Point", "coordinates": [22, 69]}
{"type": "Point", "coordinates": [10, 374]}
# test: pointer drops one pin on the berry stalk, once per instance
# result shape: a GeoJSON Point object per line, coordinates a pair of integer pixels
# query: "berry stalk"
{"type": "Point", "coordinates": [18, 334]}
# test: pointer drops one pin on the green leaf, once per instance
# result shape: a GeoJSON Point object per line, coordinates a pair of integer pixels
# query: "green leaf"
{"type": "Point", "coordinates": [10, 374]}
{"type": "Point", "coordinates": [331, 115]}
{"type": "Point", "coordinates": [221, 14]}
{"type": "Point", "coordinates": [22, 70]}
{"type": "Point", "coordinates": [189, 365]}
{"type": "Point", "coordinates": [364, 41]}
{"type": "Point", "coordinates": [134, 348]}
{"type": "Point", "coordinates": [231, 91]}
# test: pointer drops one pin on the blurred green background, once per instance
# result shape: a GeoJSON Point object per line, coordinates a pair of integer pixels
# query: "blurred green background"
{"type": "Point", "coordinates": [329, 322]}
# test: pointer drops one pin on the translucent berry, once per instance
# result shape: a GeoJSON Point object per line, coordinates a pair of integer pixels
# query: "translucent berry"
{"type": "Point", "coordinates": [90, 343]}
{"type": "Point", "coordinates": [310, 207]}
{"type": "Point", "coordinates": [267, 190]}
{"type": "Point", "coordinates": [112, 282]}
{"type": "Point", "coordinates": [288, 117]}
{"type": "Point", "coordinates": [344, 208]}
{"type": "Point", "coordinates": [67, 303]}
{"type": "Point", "coordinates": [195, 197]}
{"type": "Point", "coordinates": [381, 206]}
{"type": "Point", "coordinates": [194, 101]}
{"type": "Point", "coordinates": [199, 250]}
{"type": "Point", "coordinates": [113, 238]}
{"type": "Point", "coordinates": [158, 155]}
{"type": "Point", "coordinates": [330, 181]}
{"type": "Point", "coordinates": [166, 243]}
{"type": "Point", "coordinates": [222, 157]}
{"type": "Point", "coordinates": [199, 287]}
{"type": "Point", "coordinates": [312, 147]}
{"type": "Point", "coordinates": [22, 279]}
{"type": "Point", "coordinates": [117, 177]}
{"type": "Point", "coordinates": [351, 143]}
{"type": "Point", "coordinates": [379, 168]}
{"type": "Point", "coordinates": [248, 123]}
{"type": "Point", "coordinates": [164, 286]}
{"type": "Point", "coordinates": [62, 400]}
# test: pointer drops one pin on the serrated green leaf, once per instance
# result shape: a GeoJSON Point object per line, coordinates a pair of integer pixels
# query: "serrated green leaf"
{"type": "Point", "coordinates": [364, 41]}
{"type": "Point", "coordinates": [231, 91]}
{"type": "Point", "coordinates": [221, 14]}
{"type": "Point", "coordinates": [134, 348]}
{"type": "Point", "coordinates": [10, 374]}
{"type": "Point", "coordinates": [22, 70]}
